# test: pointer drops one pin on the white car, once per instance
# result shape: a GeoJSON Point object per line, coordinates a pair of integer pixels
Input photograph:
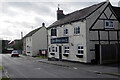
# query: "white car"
{"type": "Point", "coordinates": [15, 53]}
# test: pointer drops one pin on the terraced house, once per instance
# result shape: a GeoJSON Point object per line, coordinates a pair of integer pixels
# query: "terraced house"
{"type": "Point", "coordinates": [80, 35]}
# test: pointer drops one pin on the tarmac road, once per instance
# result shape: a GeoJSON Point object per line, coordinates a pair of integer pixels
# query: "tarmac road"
{"type": "Point", "coordinates": [19, 67]}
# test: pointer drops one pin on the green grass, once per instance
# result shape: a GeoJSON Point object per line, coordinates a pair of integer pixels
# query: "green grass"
{"type": "Point", "coordinates": [4, 78]}
{"type": "Point", "coordinates": [1, 68]}
{"type": "Point", "coordinates": [42, 57]}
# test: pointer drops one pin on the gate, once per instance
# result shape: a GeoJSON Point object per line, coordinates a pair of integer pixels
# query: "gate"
{"type": "Point", "coordinates": [107, 53]}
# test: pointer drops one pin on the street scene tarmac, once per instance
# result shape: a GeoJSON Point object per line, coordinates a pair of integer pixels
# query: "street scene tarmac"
{"type": "Point", "coordinates": [28, 67]}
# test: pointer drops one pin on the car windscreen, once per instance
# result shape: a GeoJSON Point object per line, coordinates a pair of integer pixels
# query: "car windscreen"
{"type": "Point", "coordinates": [14, 52]}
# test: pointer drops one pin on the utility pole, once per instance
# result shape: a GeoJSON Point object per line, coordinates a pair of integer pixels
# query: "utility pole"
{"type": "Point", "coordinates": [21, 35]}
{"type": "Point", "coordinates": [119, 4]}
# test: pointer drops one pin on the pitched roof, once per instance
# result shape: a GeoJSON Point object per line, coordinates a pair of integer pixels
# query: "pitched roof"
{"type": "Point", "coordinates": [32, 32]}
{"type": "Point", "coordinates": [117, 11]}
{"type": "Point", "coordinates": [77, 15]}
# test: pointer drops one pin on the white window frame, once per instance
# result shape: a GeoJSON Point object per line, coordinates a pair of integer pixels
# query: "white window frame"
{"type": "Point", "coordinates": [49, 49]}
{"type": "Point", "coordinates": [80, 49]}
{"type": "Point", "coordinates": [52, 32]}
{"type": "Point", "coordinates": [110, 24]}
{"type": "Point", "coordinates": [76, 30]}
{"type": "Point", "coordinates": [66, 50]}
{"type": "Point", "coordinates": [52, 49]}
{"type": "Point", "coordinates": [65, 32]}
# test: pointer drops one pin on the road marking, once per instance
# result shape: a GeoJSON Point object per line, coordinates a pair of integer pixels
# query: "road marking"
{"type": "Point", "coordinates": [75, 68]}
{"type": "Point", "coordinates": [38, 68]}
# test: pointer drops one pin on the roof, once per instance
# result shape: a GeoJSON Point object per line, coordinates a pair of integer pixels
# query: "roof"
{"type": "Point", "coordinates": [117, 11]}
{"type": "Point", "coordinates": [32, 32]}
{"type": "Point", "coordinates": [77, 15]}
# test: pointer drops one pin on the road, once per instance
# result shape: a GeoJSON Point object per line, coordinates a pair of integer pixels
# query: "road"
{"type": "Point", "coordinates": [20, 67]}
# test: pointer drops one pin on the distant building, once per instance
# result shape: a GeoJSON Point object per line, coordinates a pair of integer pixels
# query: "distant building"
{"type": "Point", "coordinates": [78, 36]}
{"type": "Point", "coordinates": [35, 41]}
{"type": "Point", "coordinates": [4, 45]}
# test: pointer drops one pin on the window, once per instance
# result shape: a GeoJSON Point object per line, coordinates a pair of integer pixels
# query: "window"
{"type": "Point", "coordinates": [109, 24]}
{"type": "Point", "coordinates": [80, 49]}
{"type": "Point", "coordinates": [77, 30]}
{"type": "Point", "coordinates": [53, 32]}
{"type": "Point", "coordinates": [65, 31]}
{"type": "Point", "coordinates": [30, 38]}
{"type": "Point", "coordinates": [56, 49]}
{"type": "Point", "coordinates": [66, 49]}
{"type": "Point", "coordinates": [53, 49]}
{"type": "Point", "coordinates": [49, 50]}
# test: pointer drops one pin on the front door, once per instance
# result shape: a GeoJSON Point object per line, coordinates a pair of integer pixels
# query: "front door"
{"type": "Point", "coordinates": [60, 53]}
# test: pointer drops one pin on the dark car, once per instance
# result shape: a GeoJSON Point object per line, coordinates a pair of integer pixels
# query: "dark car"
{"type": "Point", "coordinates": [14, 54]}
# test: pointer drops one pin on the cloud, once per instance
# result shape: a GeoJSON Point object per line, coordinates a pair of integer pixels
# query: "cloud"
{"type": "Point", "coordinates": [24, 16]}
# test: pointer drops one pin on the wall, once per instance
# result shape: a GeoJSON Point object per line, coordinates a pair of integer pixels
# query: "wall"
{"type": "Point", "coordinates": [39, 41]}
{"type": "Point", "coordinates": [99, 24]}
{"type": "Point", "coordinates": [29, 43]}
{"type": "Point", "coordinates": [73, 39]}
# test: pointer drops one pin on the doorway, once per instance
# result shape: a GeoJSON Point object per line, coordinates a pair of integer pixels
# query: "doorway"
{"type": "Point", "coordinates": [60, 53]}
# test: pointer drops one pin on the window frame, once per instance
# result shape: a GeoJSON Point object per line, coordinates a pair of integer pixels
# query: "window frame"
{"type": "Point", "coordinates": [53, 32]}
{"type": "Point", "coordinates": [49, 49]}
{"type": "Point", "coordinates": [110, 24]}
{"type": "Point", "coordinates": [52, 49]}
{"type": "Point", "coordinates": [65, 31]}
{"type": "Point", "coordinates": [77, 30]}
{"type": "Point", "coordinates": [67, 50]}
{"type": "Point", "coordinates": [81, 49]}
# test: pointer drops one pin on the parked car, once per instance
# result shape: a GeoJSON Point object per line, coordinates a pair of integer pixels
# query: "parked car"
{"type": "Point", "coordinates": [14, 54]}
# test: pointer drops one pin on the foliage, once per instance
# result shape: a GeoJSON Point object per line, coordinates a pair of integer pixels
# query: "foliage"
{"type": "Point", "coordinates": [18, 45]}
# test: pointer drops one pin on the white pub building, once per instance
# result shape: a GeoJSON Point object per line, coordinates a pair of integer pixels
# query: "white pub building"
{"type": "Point", "coordinates": [74, 36]}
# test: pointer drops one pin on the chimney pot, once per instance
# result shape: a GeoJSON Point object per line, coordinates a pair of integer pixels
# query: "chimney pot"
{"type": "Point", "coordinates": [43, 24]}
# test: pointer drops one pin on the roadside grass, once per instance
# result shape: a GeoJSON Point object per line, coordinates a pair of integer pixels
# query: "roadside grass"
{"type": "Point", "coordinates": [42, 57]}
{"type": "Point", "coordinates": [4, 78]}
{"type": "Point", "coordinates": [1, 68]}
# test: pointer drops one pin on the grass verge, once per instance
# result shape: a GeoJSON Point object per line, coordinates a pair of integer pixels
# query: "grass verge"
{"type": "Point", "coordinates": [42, 57]}
{"type": "Point", "coordinates": [1, 68]}
{"type": "Point", "coordinates": [4, 78]}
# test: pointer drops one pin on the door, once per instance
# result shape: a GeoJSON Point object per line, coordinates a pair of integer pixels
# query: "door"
{"type": "Point", "coordinates": [60, 53]}
{"type": "Point", "coordinates": [97, 54]}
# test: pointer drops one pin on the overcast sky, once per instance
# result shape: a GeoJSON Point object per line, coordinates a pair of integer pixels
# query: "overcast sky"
{"type": "Point", "coordinates": [18, 16]}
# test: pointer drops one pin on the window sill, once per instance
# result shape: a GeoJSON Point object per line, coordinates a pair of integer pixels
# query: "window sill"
{"type": "Point", "coordinates": [66, 54]}
{"type": "Point", "coordinates": [109, 28]}
{"type": "Point", "coordinates": [77, 34]}
{"type": "Point", "coordinates": [79, 55]}
{"type": "Point", "coordinates": [52, 53]}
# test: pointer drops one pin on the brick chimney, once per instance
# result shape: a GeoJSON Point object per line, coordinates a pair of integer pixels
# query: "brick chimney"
{"type": "Point", "coordinates": [60, 14]}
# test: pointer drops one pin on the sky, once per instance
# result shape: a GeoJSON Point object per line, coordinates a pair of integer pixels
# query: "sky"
{"type": "Point", "coordinates": [18, 16]}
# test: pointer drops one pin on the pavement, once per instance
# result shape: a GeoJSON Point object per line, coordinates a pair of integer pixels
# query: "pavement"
{"type": "Point", "coordinates": [2, 72]}
{"type": "Point", "coordinates": [110, 69]}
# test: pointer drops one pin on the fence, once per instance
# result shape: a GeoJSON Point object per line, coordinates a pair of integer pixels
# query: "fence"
{"type": "Point", "coordinates": [107, 53]}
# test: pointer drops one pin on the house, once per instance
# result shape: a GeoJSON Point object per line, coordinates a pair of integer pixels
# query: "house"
{"type": "Point", "coordinates": [35, 41]}
{"type": "Point", "coordinates": [3, 46]}
{"type": "Point", "coordinates": [75, 36]}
